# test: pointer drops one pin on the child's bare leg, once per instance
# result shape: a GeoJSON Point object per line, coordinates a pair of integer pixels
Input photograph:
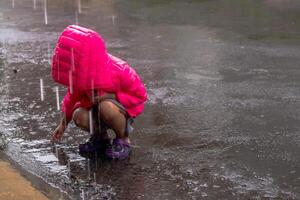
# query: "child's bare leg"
{"type": "Point", "coordinates": [114, 118]}
{"type": "Point", "coordinates": [109, 113]}
{"type": "Point", "coordinates": [81, 118]}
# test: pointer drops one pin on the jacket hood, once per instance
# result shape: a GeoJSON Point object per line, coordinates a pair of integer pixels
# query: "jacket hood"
{"type": "Point", "coordinates": [80, 60]}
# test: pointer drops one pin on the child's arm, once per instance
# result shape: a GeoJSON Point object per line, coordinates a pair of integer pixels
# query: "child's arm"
{"type": "Point", "coordinates": [67, 111]}
{"type": "Point", "coordinates": [133, 92]}
{"type": "Point", "coordinates": [60, 129]}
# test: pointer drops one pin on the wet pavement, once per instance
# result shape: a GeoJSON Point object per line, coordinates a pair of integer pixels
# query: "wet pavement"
{"type": "Point", "coordinates": [222, 120]}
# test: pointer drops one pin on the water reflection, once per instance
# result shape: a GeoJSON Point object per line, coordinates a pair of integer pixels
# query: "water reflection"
{"type": "Point", "coordinates": [222, 86]}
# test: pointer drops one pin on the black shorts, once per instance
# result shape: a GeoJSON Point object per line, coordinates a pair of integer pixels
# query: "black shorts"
{"type": "Point", "coordinates": [129, 120]}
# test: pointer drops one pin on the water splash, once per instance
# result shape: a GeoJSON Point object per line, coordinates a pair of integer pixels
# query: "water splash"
{"type": "Point", "coordinates": [113, 18]}
{"type": "Point", "coordinates": [42, 89]}
{"type": "Point", "coordinates": [91, 121]}
{"type": "Point", "coordinates": [88, 168]}
{"type": "Point", "coordinates": [155, 154]}
{"type": "Point", "coordinates": [57, 98]}
{"type": "Point", "coordinates": [57, 151]}
{"type": "Point", "coordinates": [82, 194]}
{"type": "Point", "coordinates": [69, 168]}
{"type": "Point", "coordinates": [49, 53]}
{"type": "Point", "coordinates": [79, 6]}
{"type": "Point", "coordinates": [95, 178]}
{"type": "Point", "coordinates": [45, 12]}
{"type": "Point", "coordinates": [34, 4]}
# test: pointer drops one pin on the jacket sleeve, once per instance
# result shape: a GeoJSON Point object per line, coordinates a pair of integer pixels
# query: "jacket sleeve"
{"type": "Point", "coordinates": [133, 92]}
{"type": "Point", "coordinates": [68, 104]}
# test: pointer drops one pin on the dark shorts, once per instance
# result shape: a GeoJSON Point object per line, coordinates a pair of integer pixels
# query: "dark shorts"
{"type": "Point", "coordinates": [129, 120]}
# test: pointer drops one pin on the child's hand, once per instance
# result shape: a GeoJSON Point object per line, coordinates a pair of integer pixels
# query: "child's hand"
{"type": "Point", "coordinates": [58, 133]}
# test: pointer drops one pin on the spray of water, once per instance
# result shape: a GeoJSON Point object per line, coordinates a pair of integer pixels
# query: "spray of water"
{"type": "Point", "coordinates": [95, 177]}
{"type": "Point", "coordinates": [42, 89]}
{"type": "Point", "coordinates": [79, 6]}
{"type": "Point", "coordinates": [91, 121]}
{"type": "Point", "coordinates": [82, 194]}
{"type": "Point", "coordinates": [48, 53]}
{"type": "Point", "coordinates": [154, 155]}
{"type": "Point", "coordinates": [56, 151]}
{"type": "Point", "coordinates": [34, 4]}
{"type": "Point", "coordinates": [57, 98]}
{"type": "Point", "coordinates": [69, 168]}
{"type": "Point", "coordinates": [93, 91]}
{"type": "Point", "coordinates": [113, 18]}
{"type": "Point", "coordinates": [13, 3]}
{"type": "Point", "coordinates": [45, 12]}
{"type": "Point", "coordinates": [5, 55]}
{"type": "Point", "coordinates": [88, 168]}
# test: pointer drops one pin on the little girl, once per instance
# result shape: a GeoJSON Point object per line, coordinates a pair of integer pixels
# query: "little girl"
{"type": "Point", "coordinates": [101, 88]}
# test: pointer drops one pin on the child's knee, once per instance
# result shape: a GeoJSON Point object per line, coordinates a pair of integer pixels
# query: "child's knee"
{"type": "Point", "coordinates": [80, 118]}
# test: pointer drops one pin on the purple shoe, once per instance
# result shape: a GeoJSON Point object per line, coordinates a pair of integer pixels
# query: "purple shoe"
{"type": "Point", "coordinates": [93, 145]}
{"type": "Point", "coordinates": [120, 150]}
{"type": "Point", "coordinates": [87, 150]}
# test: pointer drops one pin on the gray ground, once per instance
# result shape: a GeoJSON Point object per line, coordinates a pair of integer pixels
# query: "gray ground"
{"type": "Point", "coordinates": [222, 120]}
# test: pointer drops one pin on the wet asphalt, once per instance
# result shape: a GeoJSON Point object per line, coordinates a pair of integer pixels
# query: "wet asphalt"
{"type": "Point", "coordinates": [222, 119]}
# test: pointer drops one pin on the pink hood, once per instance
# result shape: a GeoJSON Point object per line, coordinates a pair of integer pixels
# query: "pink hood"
{"type": "Point", "coordinates": [80, 61]}
{"type": "Point", "coordinates": [80, 58]}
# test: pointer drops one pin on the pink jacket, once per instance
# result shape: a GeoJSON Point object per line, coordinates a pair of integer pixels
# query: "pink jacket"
{"type": "Point", "coordinates": [80, 61]}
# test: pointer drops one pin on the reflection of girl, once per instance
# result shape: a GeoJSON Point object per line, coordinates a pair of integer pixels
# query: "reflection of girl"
{"type": "Point", "coordinates": [96, 81]}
